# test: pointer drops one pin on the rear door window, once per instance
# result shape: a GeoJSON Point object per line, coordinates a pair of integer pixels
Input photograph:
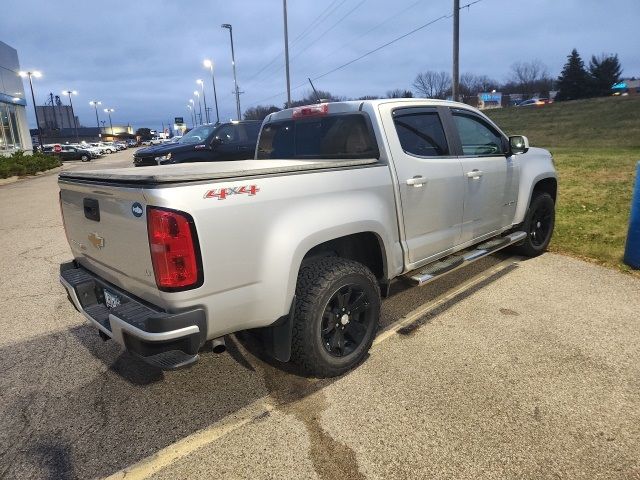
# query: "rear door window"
{"type": "Point", "coordinates": [421, 133]}
{"type": "Point", "coordinates": [334, 136]}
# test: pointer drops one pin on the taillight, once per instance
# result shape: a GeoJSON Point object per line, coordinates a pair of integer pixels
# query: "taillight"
{"type": "Point", "coordinates": [174, 249]}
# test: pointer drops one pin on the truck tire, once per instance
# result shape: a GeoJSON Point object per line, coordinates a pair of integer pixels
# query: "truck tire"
{"type": "Point", "coordinates": [538, 224]}
{"type": "Point", "coordinates": [336, 316]}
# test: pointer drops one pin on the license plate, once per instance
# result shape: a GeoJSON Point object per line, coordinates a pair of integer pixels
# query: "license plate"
{"type": "Point", "coordinates": [111, 300]}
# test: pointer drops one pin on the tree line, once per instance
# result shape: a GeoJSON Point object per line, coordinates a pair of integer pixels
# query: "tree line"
{"type": "Point", "coordinates": [576, 81]}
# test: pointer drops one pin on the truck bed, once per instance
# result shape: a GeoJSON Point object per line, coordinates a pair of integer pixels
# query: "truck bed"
{"type": "Point", "coordinates": [207, 171]}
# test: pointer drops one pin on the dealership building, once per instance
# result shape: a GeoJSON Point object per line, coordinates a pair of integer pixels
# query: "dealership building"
{"type": "Point", "coordinates": [14, 130]}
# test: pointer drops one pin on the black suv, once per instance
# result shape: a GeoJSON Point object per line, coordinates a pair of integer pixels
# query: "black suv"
{"type": "Point", "coordinates": [206, 143]}
{"type": "Point", "coordinates": [68, 152]}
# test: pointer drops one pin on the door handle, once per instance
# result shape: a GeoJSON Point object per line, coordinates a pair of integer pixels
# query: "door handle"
{"type": "Point", "coordinates": [475, 174]}
{"type": "Point", "coordinates": [416, 181]}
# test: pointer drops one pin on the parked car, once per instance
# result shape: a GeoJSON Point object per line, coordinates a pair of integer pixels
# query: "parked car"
{"type": "Point", "coordinates": [95, 151]}
{"type": "Point", "coordinates": [535, 102]}
{"type": "Point", "coordinates": [132, 143]}
{"type": "Point", "coordinates": [120, 145]}
{"type": "Point", "coordinates": [299, 244]}
{"type": "Point", "coordinates": [109, 147]}
{"type": "Point", "coordinates": [206, 143]}
{"type": "Point", "coordinates": [68, 152]}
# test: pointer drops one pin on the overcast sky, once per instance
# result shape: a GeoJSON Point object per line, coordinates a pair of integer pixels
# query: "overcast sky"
{"type": "Point", "coordinates": [142, 57]}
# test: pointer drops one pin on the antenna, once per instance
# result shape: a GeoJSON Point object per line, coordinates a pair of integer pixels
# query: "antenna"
{"type": "Point", "coordinates": [314, 90]}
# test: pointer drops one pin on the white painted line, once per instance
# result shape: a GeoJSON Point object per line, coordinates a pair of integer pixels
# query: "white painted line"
{"type": "Point", "coordinates": [424, 309]}
{"type": "Point", "coordinates": [165, 457]}
{"type": "Point", "coordinates": [176, 451]}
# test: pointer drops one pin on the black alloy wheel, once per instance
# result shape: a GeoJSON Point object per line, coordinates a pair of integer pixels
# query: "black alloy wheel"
{"type": "Point", "coordinates": [346, 320]}
{"type": "Point", "coordinates": [538, 224]}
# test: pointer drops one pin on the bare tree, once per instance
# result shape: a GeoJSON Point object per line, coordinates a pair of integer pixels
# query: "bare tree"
{"type": "Point", "coordinates": [530, 77]}
{"type": "Point", "coordinates": [259, 112]}
{"type": "Point", "coordinates": [399, 93]}
{"type": "Point", "coordinates": [432, 84]}
{"type": "Point", "coordinates": [311, 98]}
{"type": "Point", "coordinates": [471, 84]}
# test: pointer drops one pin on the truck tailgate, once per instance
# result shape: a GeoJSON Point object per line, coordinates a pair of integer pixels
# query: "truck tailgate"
{"type": "Point", "coordinates": [107, 231]}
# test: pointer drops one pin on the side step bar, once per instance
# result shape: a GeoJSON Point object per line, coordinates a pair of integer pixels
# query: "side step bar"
{"type": "Point", "coordinates": [435, 270]}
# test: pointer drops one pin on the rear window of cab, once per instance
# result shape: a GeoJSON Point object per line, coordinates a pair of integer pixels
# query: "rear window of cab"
{"type": "Point", "coordinates": [347, 136]}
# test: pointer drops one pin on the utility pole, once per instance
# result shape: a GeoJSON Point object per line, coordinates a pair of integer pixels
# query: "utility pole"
{"type": "Point", "coordinates": [455, 84]}
{"type": "Point", "coordinates": [286, 52]}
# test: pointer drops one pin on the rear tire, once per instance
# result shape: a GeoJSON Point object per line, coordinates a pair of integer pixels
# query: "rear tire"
{"type": "Point", "coordinates": [84, 158]}
{"type": "Point", "coordinates": [538, 223]}
{"type": "Point", "coordinates": [336, 316]}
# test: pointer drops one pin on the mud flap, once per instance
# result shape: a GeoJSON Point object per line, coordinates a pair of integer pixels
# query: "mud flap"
{"type": "Point", "coordinates": [276, 338]}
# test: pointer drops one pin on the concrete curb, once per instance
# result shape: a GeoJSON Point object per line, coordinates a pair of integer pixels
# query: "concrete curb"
{"type": "Point", "coordinates": [14, 179]}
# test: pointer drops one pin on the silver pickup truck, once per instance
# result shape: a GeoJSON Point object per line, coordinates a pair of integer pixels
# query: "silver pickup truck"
{"type": "Point", "coordinates": [300, 243]}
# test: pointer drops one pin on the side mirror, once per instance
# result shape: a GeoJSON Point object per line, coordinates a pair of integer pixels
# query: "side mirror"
{"type": "Point", "coordinates": [519, 144]}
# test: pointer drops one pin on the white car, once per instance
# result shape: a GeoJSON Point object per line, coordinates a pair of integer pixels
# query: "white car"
{"type": "Point", "coordinates": [102, 148]}
{"type": "Point", "coordinates": [95, 151]}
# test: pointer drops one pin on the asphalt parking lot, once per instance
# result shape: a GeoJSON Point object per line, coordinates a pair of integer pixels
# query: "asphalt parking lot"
{"type": "Point", "coordinates": [508, 369]}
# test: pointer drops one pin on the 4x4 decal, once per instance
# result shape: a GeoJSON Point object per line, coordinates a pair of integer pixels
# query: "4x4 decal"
{"type": "Point", "coordinates": [223, 193]}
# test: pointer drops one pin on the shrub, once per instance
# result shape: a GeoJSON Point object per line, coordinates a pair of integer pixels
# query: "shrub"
{"type": "Point", "coordinates": [20, 164]}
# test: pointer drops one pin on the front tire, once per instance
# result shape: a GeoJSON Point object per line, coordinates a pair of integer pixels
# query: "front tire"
{"type": "Point", "coordinates": [336, 316]}
{"type": "Point", "coordinates": [84, 158]}
{"type": "Point", "coordinates": [538, 223]}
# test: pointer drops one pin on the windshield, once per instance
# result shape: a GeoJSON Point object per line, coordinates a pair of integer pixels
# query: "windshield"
{"type": "Point", "coordinates": [198, 134]}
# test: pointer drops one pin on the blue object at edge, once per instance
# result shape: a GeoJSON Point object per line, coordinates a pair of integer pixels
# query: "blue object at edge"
{"type": "Point", "coordinates": [632, 249]}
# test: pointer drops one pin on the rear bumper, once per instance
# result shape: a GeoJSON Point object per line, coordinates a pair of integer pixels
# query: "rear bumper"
{"type": "Point", "coordinates": [166, 340]}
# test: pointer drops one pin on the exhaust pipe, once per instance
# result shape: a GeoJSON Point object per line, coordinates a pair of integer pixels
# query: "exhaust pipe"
{"type": "Point", "coordinates": [218, 345]}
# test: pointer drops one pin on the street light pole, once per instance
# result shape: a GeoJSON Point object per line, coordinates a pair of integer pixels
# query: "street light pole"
{"type": "Point", "coordinates": [36, 74]}
{"type": "Point", "coordinates": [233, 63]}
{"type": "Point", "coordinates": [204, 99]}
{"type": "Point", "coordinates": [197, 94]}
{"type": "Point", "coordinates": [191, 116]}
{"type": "Point", "coordinates": [75, 124]}
{"type": "Point", "coordinates": [109, 110]}
{"type": "Point", "coordinates": [209, 63]}
{"type": "Point", "coordinates": [286, 52]}
{"type": "Point", "coordinates": [95, 104]}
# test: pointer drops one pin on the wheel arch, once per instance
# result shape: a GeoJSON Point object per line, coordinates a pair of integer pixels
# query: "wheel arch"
{"type": "Point", "coordinates": [366, 248]}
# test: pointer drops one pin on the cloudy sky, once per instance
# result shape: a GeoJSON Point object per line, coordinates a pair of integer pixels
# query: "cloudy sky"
{"type": "Point", "coordinates": [142, 58]}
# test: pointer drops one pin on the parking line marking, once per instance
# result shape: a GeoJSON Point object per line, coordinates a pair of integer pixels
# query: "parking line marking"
{"type": "Point", "coordinates": [180, 449]}
{"type": "Point", "coordinates": [422, 310]}
{"type": "Point", "coordinates": [170, 454]}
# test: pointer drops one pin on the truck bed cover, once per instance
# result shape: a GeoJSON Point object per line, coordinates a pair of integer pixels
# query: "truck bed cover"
{"type": "Point", "coordinates": [193, 172]}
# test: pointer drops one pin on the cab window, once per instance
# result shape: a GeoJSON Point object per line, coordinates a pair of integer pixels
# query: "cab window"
{"type": "Point", "coordinates": [421, 133]}
{"type": "Point", "coordinates": [477, 137]}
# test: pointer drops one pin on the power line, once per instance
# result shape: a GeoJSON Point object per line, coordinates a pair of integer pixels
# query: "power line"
{"type": "Point", "coordinates": [370, 52]}
{"type": "Point", "coordinates": [305, 31]}
{"type": "Point", "coordinates": [275, 71]}
{"type": "Point", "coordinates": [329, 29]}
{"type": "Point", "coordinates": [387, 20]}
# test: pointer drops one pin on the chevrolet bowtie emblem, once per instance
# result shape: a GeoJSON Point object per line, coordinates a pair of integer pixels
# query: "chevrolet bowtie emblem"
{"type": "Point", "coordinates": [96, 240]}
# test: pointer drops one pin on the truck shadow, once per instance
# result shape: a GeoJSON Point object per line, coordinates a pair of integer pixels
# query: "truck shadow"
{"type": "Point", "coordinates": [73, 406]}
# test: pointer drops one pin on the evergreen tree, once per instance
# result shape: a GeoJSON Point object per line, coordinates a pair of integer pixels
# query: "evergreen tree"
{"type": "Point", "coordinates": [574, 81]}
{"type": "Point", "coordinates": [605, 72]}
